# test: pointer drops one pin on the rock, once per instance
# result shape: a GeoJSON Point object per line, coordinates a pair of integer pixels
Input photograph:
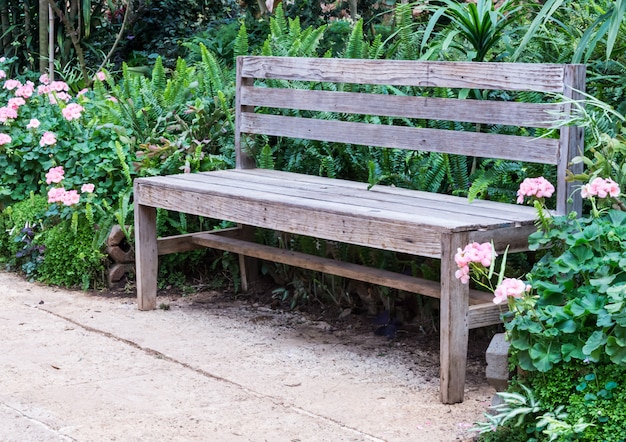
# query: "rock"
{"type": "Point", "coordinates": [497, 356]}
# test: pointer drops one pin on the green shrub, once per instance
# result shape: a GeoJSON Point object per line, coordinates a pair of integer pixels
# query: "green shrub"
{"type": "Point", "coordinates": [70, 258]}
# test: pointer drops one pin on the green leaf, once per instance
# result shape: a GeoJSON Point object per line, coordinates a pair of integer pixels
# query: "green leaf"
{"type": "Point", "coordinates": [569, 351]}
{"type": "Point", "coordinates": [544, 356]}
{"type": "Point", "coordinates": [616, 350]}
{"type": "Point", "coordinates": [594, 343]}
{"type": "Point", "coordinates": [568, 326]}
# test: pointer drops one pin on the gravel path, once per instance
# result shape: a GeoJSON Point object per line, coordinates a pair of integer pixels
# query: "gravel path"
{"type": "Point", "coordinates": [79, 367]}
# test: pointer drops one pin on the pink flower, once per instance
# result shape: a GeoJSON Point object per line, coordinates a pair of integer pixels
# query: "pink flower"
{"type": "Point", "coordinates": [481, 254]}
{"type": "Point", "coordinates": [87, 188]}
{"type": "Point", "coordinates": [5, 139]}
{"type": "Point", "coordinates": [72, 111]}
{"type": "Point", "coordinates": [43, 89]}
{"type": "Point", "coordinates": [48, 138]}
{"type": "Point", "coordinates": [70, 198]}
{"type": "Point", "coordinates": [59, 86]}
{"type": "Point", "coordinates": [44, 79]}
{"type": "Point", "coordinates": [537, 187]}
{"type": "Point", "coordinates": [55, 175]}
{"type": "Point", "coordinates": [56, 194]}
{"type": "Point", "coordinates": [33, 124]}
{"type": "Point", "coordinates": [463, 274]}
{"type": "Point", "coordinates": [15, 103]}
{"type": "Point", "coordinates": [600, 187]}
{"type": "Point", "coordinates": [509, 287]}
{"type": "Point", "coordinates": [2, 74]}
{"type": "Point", "coordinates": [25, 91]}
{"type": "Point", "coordinates": [7, 113]}
{"type": "Point", "coordinates": [54, 97]}
{"type": "Point", "coordinates": [12, 84]}
{"type": "Point", "coordinates": [101, 76]}
{"type": "Point", "coordinates": [82, 92]}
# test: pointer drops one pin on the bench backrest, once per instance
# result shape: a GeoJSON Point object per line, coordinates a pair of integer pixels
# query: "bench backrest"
{"type": "Point", "coordinates": [291, 83]}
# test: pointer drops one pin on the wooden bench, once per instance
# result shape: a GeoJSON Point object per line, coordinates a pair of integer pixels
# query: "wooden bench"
{"type": "Point", "coordinates": [384, 217]}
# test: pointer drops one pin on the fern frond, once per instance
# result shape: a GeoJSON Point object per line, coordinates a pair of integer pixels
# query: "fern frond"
{"type": "Point", "coordinates": [158, 75]}
{"type": "Point", "coordinates": [356, 43]}
{"type": "Point", "coordinates": [240, 46]}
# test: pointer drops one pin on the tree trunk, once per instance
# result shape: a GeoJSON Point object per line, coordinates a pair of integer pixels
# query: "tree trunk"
{"type": "Point", "coordinates": [6, 26]}
{"type": "Point", "coordinates": [43, 36]}
{"type": "Point", "coordinates": [353, 10]}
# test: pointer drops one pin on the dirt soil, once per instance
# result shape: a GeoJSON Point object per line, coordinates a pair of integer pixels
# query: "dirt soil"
{"type": "Point", "coordinates": [78, 366]}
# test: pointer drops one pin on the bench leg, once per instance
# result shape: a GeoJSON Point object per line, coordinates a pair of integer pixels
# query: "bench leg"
{"type": "Point", "coordinates": [146, 256]}
{"type": "Point", "coordinates": [248, 267]}
{"type": "Point", "coordinates": [454, 322]}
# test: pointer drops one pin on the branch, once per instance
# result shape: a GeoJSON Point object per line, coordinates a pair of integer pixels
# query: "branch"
{"type": "Point", "coordinates": [119, 35]}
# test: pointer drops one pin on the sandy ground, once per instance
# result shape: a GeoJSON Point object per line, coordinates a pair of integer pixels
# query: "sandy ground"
{"type": "Point", "coordinates": [80, 367]}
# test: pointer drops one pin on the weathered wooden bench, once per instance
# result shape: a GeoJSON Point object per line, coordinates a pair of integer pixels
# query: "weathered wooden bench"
{"type": "Point", "coordinates": [384, 217]}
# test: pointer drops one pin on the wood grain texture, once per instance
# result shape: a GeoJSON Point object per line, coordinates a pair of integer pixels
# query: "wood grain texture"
{"type": "Point", "coordinates": [445, 109]}
{"type": "Point", "coordinates": [472, 75]}
{"type": "Point", "coordinates": [146, 257]}
{"type": "Point", "coordinates": [509, 147]}
{"type": "Point", "coordinates": [454, 322]}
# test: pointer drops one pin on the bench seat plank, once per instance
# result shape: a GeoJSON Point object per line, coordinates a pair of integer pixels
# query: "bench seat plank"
{"type": "Point", "coordinates": [348, 215]}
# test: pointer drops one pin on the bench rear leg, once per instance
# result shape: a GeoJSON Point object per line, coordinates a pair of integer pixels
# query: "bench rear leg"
{"type": "Point", "coordinates": [454, 322]}
{"type": "Point", "coordinates": [248, 266]}
{"type": "Point", "coordinates": [146, 256]}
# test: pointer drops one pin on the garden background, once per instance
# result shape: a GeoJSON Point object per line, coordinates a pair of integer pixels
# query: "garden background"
{"type": "Point", "coordinates": [97, 93]}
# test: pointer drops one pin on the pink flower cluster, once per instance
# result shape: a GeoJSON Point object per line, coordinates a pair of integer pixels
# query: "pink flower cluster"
{"type": "Point", "coordinates": [72, 111]}
{"type": "Point", "coordinates": [48, 139]}
{"type": "Point", "coordinates": [55, 175]}
{"type": "Point", "coordinates": [5, 139]}
{"type": "Point", "coordinates": [472, 253]}
{"type": "Point", "coordinates": [537, 187]}
{"type": "Point", "coordinates": [600, 187]}
{"type": "Point", "coordinates": [60, 194]}
{"type": "Point", "coordinates": [509, 287]}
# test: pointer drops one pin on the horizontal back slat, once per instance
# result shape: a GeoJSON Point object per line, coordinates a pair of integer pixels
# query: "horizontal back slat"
{"type": "Point", "coordinates": [509, 147]}
{"type": "Point", "coordinates": [449, 109]}
{"type": "Point", "coordinates": [473, 75]}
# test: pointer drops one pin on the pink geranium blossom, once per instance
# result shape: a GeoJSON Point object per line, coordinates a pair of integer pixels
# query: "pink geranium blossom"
{"type": "Point", "coordinates": [33, 124]}
{"type": "Point", "coordinates": [537, 187]}
{"type": "Point", "coordinates": [101, 76]}
{"type": "Point", "coordinates": [12, 84]}
{"type": "Point", "coordinates": [43, 89]}
{"type": "Point", "coordinates": [59, 86]}
{"type": "Point", "coordinates": [600, 187]}
{"type": "Point", "coordinates": [509, 287]}
{"type": "Point", "coordinates": [72, 111]}
{"type": "Point", "coordinates": [55, 97]}
{"type": "Point", "coordinates": [5, 139]}
{"type": "Point", "coordinates": [7, 113]}
{"type": "Point", "coordinates": [87, 188]}
{"type": "Point", "coordinates": [25, 91]}
{"type": "Point", "coordinates": [2, 74]}
{"type": "Point", "coordinates": [481, 254]}
{"type": "Point", "coordinates": [44, 79]}
{"type": "Point", "coordinates": [55, 194]}
{"type": "Point", "coordinates": [70, 198]}
{"type": "Point", "coordinates": [48, 138]}
{"type": "Point", "coordinates": [15, 103]}
{"type": "Point", "coordinates": [55, 175]}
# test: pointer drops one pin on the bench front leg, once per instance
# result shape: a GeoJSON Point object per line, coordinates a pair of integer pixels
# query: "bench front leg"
{"type": "Point", "coordinates": [454, 324]}
{"type": "Point", "coordinates": [146, 256]}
